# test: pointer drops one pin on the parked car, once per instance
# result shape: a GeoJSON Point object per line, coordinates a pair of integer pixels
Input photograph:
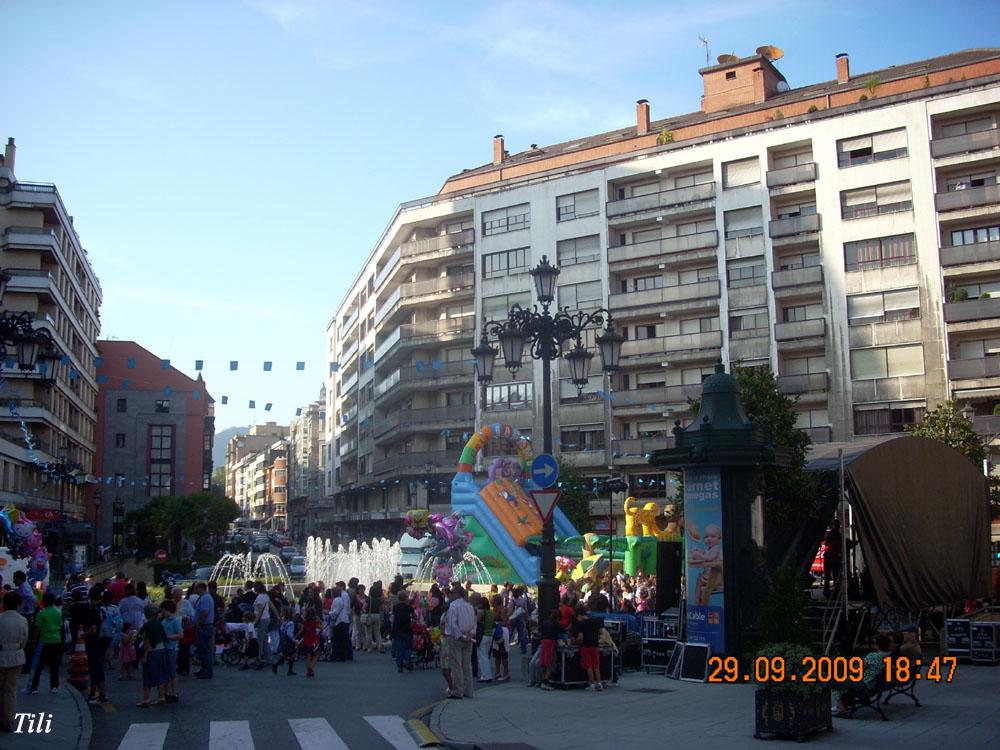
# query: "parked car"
{"type": "Point", "coordinates": [297, 567]}
{"type": "Point", "coordinates": [284, 541]}
{"type": "Point", "coordinates": [261, 543]}
{"type": "Point", "coordinates": [288, 552]}
{"type": "Point", "coordinates": [202, 573]}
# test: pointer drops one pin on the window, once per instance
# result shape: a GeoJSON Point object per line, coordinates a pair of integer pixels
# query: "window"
{"type": "Point", "coordinates": [730, 75]}
{"type": "Point", "coordinates": [883, 418]}
{"type": "Point", "coordinates": [459, 398]}
{"type": "Point", "coordinates": [981, 289]}
{"type": "Point", "coordinates": [887, 362]}
{"type": "Point", "coordinates": [122, 406]}
{"type": "Point", "coordinates": [795, 262]}
{"type": "Point", "coordinates": [882, 252]}
{"type": "Point", "coordinates": [647, 380]}
{"type": "Point", "coordinates": [798, 313]}
{"type": "Point", "coordinates": [753, 319]}
{"type": "Point", "coordinates": [890, 144]}
{"type": "Point", "coordinates": [899, 304]}
{"type": "Point", "coordinates": [645, 332]}
{"type": "Point", "coordinates": [694, 275]}
{"type": "Point", "coordinates": [874, 201]}
{"type": "Point", "coordinates": [695, 375]}
{"type": "Point", "coordinates": [642, 283]}
{"type": "Point", "coordinates": [978, 348]}
{"type": "Point", "coordinates": [576, 205]}
{"type": "Point", "coordinates": [975, 236]}
{"type": "Point", "coordinates": [579, 296]}
{"type": "Point", "coordinates": [505, 262]}
{"type": "Point", "coordinates": [582, 438]}
{"type": "Point", "coordinates": [457, 226]}
{"type": "Point", "coordinates": [695, 178]}
{"type": "Point", "coordinates": [695, 227]}
{"type": "Point", "coordinates": [452, 312]}
{"type": "Point", "coordinates": [795, 209]}
{"type": "Point", "coordinates": [119, 440]}
{"type": "Point", "coordinates": [510, 396]}
{"type": "Point", "coordinates": [744, 222]}
{"type": "Point", "coordinates": [578, 250]}
{"type": "Point", "coordinates": [508, 219]}
{"type": "Point", "coordinates": [162, 406]}
{"type": "Point", "coordinates": [785, 161]}
{"type": "Point", "coordinates": [740, 273]}
{"type": "Point", "coordinates": [454, 441]}
{"type": "Point", "coordinates": [699, 325]}
{"type": "Point", "coordinates": [966, 127]}
{"type": "Point", "coordinates": [161, 466]}
{"type": "Point", "coordinates": [804, 365]}
{"type": "Point", "coordinates": [495, 308]}
{"type": "Point", "coordinates": [742, 172]}
{"type": "Point", "coordinates": [812, 418]}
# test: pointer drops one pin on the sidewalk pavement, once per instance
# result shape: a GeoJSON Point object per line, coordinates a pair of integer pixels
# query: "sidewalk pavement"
{"type": "Point", "coordinates": [965, 713]}
{"type": "Point", "coordinates": [67, 709]}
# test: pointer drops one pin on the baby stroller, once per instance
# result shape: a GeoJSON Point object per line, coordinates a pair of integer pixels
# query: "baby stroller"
{"type": "Point", "coordinates": [232, 646]}
{"type": "Point", "coordinates": [425, 654]}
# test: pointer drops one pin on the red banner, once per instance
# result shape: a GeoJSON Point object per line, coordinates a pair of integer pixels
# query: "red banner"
{"type": "Point", "coordinates": [35, 514]}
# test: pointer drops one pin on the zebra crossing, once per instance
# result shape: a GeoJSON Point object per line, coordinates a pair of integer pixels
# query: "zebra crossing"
{"type": "Point", "coordinates": [310, 734]}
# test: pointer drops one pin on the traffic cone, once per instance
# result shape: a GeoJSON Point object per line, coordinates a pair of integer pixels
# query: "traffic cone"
{"type": "Point", "coordinates": [79, 674]}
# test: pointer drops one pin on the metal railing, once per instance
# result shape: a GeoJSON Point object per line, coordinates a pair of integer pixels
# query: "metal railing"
{"type": "Point", "coordinates": [799, 329]}
{"type": "Point", "coordinates": [407, 419]}
{"type": "Point", "coordinates": [435, 244]}
{"type": "Point", "coordinates": [417, 463]}
{"type": "Point", "coordinates": [664, 246]}
{"type": "Point", "coordinates": [666, 394]}
{"type": "Point", "coordinates": [812, 382]}
{"type": "Point", "coordinates": [979, 367]}
{"type": "Point", "coordinates": [666, 294]}
{"type": "Point", "coordinates": [792, 175]}
{"type": "Point", "coordinates": [424, 373]}
{"type": "Point", "coordinates": [979, 252]}
{"type": "Point", "coordinates": [973, 309]}
{"type": "Point", "coordinates": [797, 277]}
{"type": "Point", "coordinates": [963, 144]}
{"type": "Point", "coordinates": [967, 198]}
{"type": "Point", "coordinates": [794, 225]}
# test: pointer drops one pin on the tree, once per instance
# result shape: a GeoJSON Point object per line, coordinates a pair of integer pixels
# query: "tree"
{"type": "Point", "coordinates": [219, 481]}
{"type": "Point", "coordinates": [948, 425]}
{"type": "Point", "coordinates": [576, 496]}
{"type": "Point", "coordinates": [168, 520]}
{"type": "Point", "coordinates": [791, 495]}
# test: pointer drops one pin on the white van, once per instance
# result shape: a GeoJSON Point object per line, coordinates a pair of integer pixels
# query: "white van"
{"type": "Point", "coordinates": [412, 550]}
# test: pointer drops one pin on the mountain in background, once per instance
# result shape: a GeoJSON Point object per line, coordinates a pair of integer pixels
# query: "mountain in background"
{"type": "Point", "coordinates": [219, 446]}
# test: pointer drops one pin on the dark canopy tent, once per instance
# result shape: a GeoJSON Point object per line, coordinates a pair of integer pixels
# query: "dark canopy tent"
{"type": "Point", "coordinates": [921, 510]}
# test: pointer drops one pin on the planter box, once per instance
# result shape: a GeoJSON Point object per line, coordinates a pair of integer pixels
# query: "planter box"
{"type": "Point", "coordinates": [791, 714]}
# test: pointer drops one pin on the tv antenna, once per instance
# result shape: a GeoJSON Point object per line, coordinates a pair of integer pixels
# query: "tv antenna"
{"type": "Point", "coordinates": [704, 43]}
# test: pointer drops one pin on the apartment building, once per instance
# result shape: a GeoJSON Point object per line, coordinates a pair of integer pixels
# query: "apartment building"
{"type": "Point", "coordinates": [308, 509]}
{"type": "Point", "coordinates": [155, 430]}
{"type": "Point", "coordinates": [48, 275]}
{"type": "Point", "coordinates": [844, 233]}
{"type": "Point", "coordinates": [239, 447]}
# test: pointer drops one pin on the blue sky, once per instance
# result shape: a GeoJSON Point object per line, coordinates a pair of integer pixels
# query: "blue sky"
{"type": "Point", "coordinates": [231, 163]}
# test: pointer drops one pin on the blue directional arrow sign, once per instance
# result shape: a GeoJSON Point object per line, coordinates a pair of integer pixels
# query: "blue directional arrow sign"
{"type": "Point", "coordinates": [545, 470]}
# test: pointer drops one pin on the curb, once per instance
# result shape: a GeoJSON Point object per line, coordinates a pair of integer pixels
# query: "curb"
{"type": "Point", "coordinates": [86, 724]}
{"type": "Point", "coordinates": [420, 733]}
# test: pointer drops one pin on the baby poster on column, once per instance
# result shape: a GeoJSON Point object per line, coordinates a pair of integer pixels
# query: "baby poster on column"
{"type": "Point", "coordinates": [703, 559]}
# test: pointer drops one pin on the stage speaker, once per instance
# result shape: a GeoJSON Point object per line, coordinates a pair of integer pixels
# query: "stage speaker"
{"type": "Point", "coordinates": [668, 575]}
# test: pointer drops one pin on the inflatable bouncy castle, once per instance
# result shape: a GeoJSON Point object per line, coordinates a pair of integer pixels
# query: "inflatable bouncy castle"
{"type": "Point", "coordinates": [25, 550]}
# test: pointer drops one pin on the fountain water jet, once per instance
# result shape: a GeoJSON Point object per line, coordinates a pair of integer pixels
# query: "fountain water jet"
{"type": "Point", "coordinates": [377, 561]}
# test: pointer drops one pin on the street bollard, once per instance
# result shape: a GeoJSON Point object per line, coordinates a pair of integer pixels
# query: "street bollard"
{"type": "Point", "coordinates": [79, 674]}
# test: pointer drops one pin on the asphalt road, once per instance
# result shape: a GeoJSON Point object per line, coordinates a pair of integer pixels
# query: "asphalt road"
{"type": "Point", "coordinates": [263, 704]}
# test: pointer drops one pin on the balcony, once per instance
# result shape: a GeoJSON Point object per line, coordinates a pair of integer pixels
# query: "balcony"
{"type": "Point", "coordinates": [796, 277]}
{"type": "Point", "coordinates": [819, 434]}
{"type": "Point", "coordinates": [417, 464]}
{"type": "Point", "coordinates": [348, 383]}
{"type": "Point", "coordinates": [813, 382]}
{"type": "Point", "coordinates": [666, 201]}
{"type": "Point", "coordinates": [348, 354]}
{"type": "Point", "coordinates": [800, 329]}
{"type": "Point", "coordinates": [425, 333]}
{"type": "Point", "coordinates": [745, 243]}
{"type": "Point", "coordinates": [791, 175]}
{"type": "Point", "coordinates": [980, 252]}
{"type": "Point", "coordinates": [974, 369]}
{"type": "Point", "coordinates": [423, 375]}
{"type": "Point", "coordinates": [642, 397]}
{"type": "Point", "coordinates": [423, 420]}
{"type": "Point", "coordinates": [423, 291]}
{"type": "Point", "coordinates": [972, 310]}
{"type": "Point", "coordinates": [639, 448]}
{"type": "Point", "coordinates": [965, 144]}
{"type": "Point", "coordinates": [794, 226]}
{"type": "Point", "coordinates": [987, 425]}
{"type": "Point", "coordinates": [666, 295]}
{"type": "Point", "coordinates": [666, 246]}
{"type": "Point", "coordinates": [956, 200]}
{"type": "Point", "coordinates": [351, 319]}
{"type": "Point", "coordinates": [432, 247]}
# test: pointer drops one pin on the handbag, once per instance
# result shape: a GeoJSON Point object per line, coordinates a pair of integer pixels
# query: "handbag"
{"type": "Point", "coordinates": [189, 636]}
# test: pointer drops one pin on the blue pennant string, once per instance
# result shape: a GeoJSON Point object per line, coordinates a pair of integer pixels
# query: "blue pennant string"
{"type": "Point", "coordinates": [300, 365]}
{"type": "Point", "coordinates": [267, 367]}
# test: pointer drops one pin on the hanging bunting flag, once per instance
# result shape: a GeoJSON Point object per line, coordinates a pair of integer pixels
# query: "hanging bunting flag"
{"type": "Point", "coordinates": [130, 364]}
{"type": "Point", "coordinates": [298, 412]}
{"type": "Point", "coordinates": [73, 374]}
{"type": "Point", "coordinates": [126, 384]}
{"type": "Point", "coordinates": [198, 364]}
{"type": "Point", "coordinates": [300, 365]}
{"type": "Point", "coordinates": [253, 404]}
{"type": "Point", "coordinates": [225, 399]}
{"type": "Point", "coordinates": [101, 379]}
{"type": "Point", "coordinates": [98, 361]}
{"type": "Point", "coordinates": [166, 364]}
{"type": "Point", "coordinates": [168, 391]}
{"type": "Point", "coordinates": [420, 366]}
{"type": "Point", "coordinates": [267, 367]}
{"type": "Point", "coordinates": [267, 406]}
{"type": "Point", "coordinates": [196, 395]}
{"type": "Point", "coordinates": [234, 365]}
{"type": "Point", "coordinates": [437, 364]}
{"type": "Point", "coordinates": [334, 366]}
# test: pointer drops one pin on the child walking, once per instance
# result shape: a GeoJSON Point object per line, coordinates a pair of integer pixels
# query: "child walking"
{"type": "Point", "coordinates": [126, 652]}
{"type": "Point", "coordinates": [251, 649]}
{"type": "Point", "coordinates": [287, 641]}
{"type": "Point", "coordinates": [309, 645]}
{"type": "Point", "coordinates": [501, 637]}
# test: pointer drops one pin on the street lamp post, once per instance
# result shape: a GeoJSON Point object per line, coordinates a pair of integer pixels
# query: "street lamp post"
{"type": "Point", "coordinates": [543, 334]}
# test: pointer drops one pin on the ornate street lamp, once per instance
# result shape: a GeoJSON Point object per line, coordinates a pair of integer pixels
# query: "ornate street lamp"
{"type": "Point", "coordinates": [543, 334]}
{"type": "Point", "coordinates": [17, 331]}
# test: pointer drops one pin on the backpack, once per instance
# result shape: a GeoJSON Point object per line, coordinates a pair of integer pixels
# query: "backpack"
{"type": "Point", "coordinates": [111, 622]}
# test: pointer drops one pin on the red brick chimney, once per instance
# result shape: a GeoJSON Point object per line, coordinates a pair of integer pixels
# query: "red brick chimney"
{"type": "Point", "coordinates": [9, 153]}
{"type": "Point", "coordinates": [498, 152]}
{"type": "Point", "coordinates": [843, 68]}
{"type": "Point", "coordinates": [642, 117]}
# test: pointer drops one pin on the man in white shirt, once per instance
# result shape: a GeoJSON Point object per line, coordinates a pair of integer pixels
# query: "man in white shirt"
{"type": "Point", "coordinates": [340, 622]}
{"type": "Point", "coordinates": [460, 627]}
{"type": "Point", "coordinates": [262, 619]}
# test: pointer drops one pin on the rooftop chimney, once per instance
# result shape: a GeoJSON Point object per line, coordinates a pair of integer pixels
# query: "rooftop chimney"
{"type": "Point", "coordinates": [8, 154]}
{"type": "Point", "coordinates": [843, 68]}
{"type": "Point", "coordinates": [498, 152]}
{"type": "Point", "coordinates": [642, 117]}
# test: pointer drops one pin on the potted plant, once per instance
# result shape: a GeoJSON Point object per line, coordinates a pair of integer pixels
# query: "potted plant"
{"type": "Point", "coordinates": [789, 707]}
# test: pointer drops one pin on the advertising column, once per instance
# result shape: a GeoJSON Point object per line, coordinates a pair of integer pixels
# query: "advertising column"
{"type": "Point", "coordinates": [703, 558]}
